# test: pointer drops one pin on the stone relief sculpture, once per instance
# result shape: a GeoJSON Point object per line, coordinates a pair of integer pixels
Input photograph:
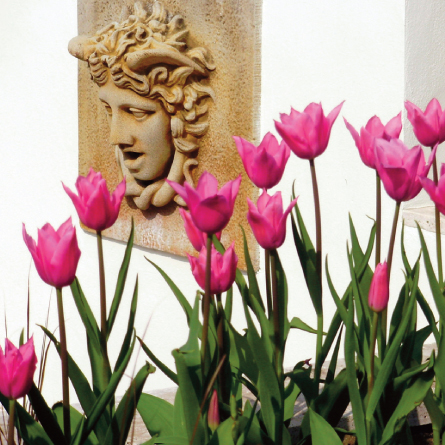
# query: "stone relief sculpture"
{"type": "Point", "coordinates": [156, 93]}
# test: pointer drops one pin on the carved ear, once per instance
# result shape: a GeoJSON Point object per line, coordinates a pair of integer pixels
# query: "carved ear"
{"type": "Point", "coordinates": [81, 47]}
{"type": "Point", "coordinates": [139, 61]}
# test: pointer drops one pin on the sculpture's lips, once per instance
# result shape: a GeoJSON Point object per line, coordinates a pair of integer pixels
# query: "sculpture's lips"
{"type": "Point", "coordinates": [133, 160]}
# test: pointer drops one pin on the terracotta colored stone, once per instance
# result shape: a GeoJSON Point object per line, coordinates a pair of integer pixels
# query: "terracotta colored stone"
{"type": "Point", "coordinates": [120, 128]}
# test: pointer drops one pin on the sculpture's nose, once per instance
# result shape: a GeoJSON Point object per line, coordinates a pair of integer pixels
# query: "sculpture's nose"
{"type": "Point", "coordinates": [120, 134]}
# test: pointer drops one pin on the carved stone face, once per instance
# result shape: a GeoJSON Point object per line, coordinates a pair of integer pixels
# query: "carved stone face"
{"type": "Point", "coordinates": [140, 128]}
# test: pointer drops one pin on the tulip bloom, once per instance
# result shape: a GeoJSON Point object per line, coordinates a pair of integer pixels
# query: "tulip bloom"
{"type": "Point", "coordinates": [56, 253]}
{"type": "Point", "coordinates": [213, 416]}
{"type": "Point", "coordinates": [210, 209]}
{"type": "Point", "coordinates": [429, 126]}
{"type": "Point", "coordinates": [436, 192]}
{"type": "Point", "coordinates": [399, 168]}
{"type": "Point", "coordinates": [379, 290]}
{"type": "Point", "coordinates": [17, 367]}
{"type": "Point", "coordinates": [263, 164]}
{"type": "Point", "coordinates": [307, 133]}
{"type": "Point", "coordinates": [97, 209]}
{"type": "Point", "coordinates": [365, 141]}
{"type": "Point", "coordinates": [268, 221]}
{"type": "Point", "coordinates": [222, 271]}
{"type": "Point", "coordinates": [196, 237]}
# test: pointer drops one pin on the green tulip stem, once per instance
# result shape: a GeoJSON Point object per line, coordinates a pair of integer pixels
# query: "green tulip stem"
{"type": "Point", "coordinates": [206, 304]}
{"type": "Point", "coordinates": [389, 262]}
{"type": "Point", "coordinates": [268, 291]}
{"type": "Point", "coordinates": [393, 237]}
{"type": "Point", "coordinates": [319, 345]}
{"type": "Point", "coordinates": [225, 396]}
{"type": "Point", "coordinates": [375, 322]}
{"type": "Point", "coordinates": [103, 306]}
{"type": "Point", "coordinates": [64, 360]}
{"type": "Point", "coordinates": [278, 352]}
{"type": "Point", "coordinates": [317, 220]}
{"type": "Point", "coordinates": [438, 235]}
{"type": "Point", "coordinates": [378, 218]}
{"type": "Point", "coordinates": [11, 422]}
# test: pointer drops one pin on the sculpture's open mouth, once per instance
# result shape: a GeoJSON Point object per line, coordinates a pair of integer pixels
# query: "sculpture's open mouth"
{"type": "Point", "coordinates": [131, 155]}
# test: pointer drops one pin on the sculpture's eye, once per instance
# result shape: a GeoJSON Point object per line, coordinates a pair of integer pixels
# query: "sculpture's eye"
{"type": "Point", "coordinates": [139, 114]}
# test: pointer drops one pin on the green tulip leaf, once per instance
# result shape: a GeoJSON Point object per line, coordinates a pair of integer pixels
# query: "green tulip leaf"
{"type": "Point", "coordinates": [121, 279]}
{"type": "Point", "coordinates": [386, 369]}
{"type": "Point", "coordinates": [321, 431]}
{"type": "Point", "coordinates": [45, 415]}
{"type": "Point", "coordinates": [412, 396]}
{"type": "Point", "coordinates": [83, 390]}
{"type": "Point", "coordinates": [157, 415]}
{"type": "Point", "coordinates": [75, 418]}
{"type": "Point", "coordinates": [97, 359]}
{"type": "Point", "coordinates": [165, 369]}
{"type": "Point", "coordinates": [177, 293]}
{"type": "Point", "coordinates": [130, 327]}
{"type": "Point", "coordinates": [354, 394]}
{"type": "Point", "coordinates": [120, 425]}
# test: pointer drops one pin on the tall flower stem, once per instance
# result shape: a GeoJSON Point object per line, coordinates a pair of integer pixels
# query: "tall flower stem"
{"type": "Point", "coordinates": [206, 304]}
{"type": "Point", "coordinates": [318, 269]}
{"type": "Point", "coordinates": [103, 305]}
{"type": "Point", "coordinates": [268, 291]}
{"type": "Point", "coordinates": [375, 322]}
{"type": "Point", "coordinates": [378, 218]}
{"type": "Point", "coordinates": [11, 422]}
{"type": "Point", "coordinates": [438, 235]}
{"type": "Point", "coordinates": [64, 360]}
{"type": "Point", "coordinates": [393, 237]}
{"type": "Point", "coordinates": [225, 396]}
{"type": "Point", "coordinates": [278, 350]}
{"type": "Point", "coordinates": [389, 262]}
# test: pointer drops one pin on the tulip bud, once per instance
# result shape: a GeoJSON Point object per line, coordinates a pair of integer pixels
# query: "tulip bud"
{"type": "Point", "coordinates": [307, 133]}
{"type": "Point", "coordinates": [213, 415]}
{"type": "Point", "coordinates": [196, 237]}
{"type": "Point", "coordinates": [17, 367]}
{"type": "Point", "coordinates": [263, 164]}
{"type": "Point", "coordinates": [222, 271]}
{"type": "Point", "coordinates": [210, 208]}
{"type": "Point", "coordinates": [268, 221]}
{"type": "Point", "coordinates": [56, 253]}
{"type": "Point", "coordinates": [97, 209]}
{"type": "Point", "coordinates": [379, 290]}
{"type": "Point", "coordinates": [400, 168]}
{"type": "Point", "coordinates": [428, 125]}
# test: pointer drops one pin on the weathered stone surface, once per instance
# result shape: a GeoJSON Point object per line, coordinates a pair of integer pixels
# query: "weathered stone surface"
{"type": "Point", "coordinates": [229, 30]}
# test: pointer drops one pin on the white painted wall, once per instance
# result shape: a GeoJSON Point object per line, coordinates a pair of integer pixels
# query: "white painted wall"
{"type": "Point", "coordinates": [326, 51]}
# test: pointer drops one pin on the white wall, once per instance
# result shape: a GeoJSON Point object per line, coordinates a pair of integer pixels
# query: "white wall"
{"type": "Point", "coordinates": [326, 51]}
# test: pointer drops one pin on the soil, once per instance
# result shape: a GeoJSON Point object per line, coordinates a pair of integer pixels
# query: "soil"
{"type": "Point", "coordinates": [422, 435]}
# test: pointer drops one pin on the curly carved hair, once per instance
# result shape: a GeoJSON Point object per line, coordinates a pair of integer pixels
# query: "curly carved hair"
{"type": "Point", "coordinates": [179, 89]}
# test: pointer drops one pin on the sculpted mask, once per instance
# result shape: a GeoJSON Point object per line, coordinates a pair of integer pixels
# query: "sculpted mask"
{"type": "Point", "coordinates": [155, 92]}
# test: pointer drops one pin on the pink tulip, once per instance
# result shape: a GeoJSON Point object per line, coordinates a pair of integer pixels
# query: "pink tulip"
{"type": "Point", "coordinates": [268, 221]}
{"type": "Point", "coordinates": [399, 168]}
{"type": "Point", "coordinates": [429, 126]}
{"type": "Point", "coordinates": [307, 133]}
{"type": "Point", "coordinates": [196, 237]}
{"type": "Point", "coordinates": [374, 129]}
{"type": "Point", "coordinates": [56, 255]}
{"type": "Point", "coordinates": [436, 192]}
{"type": "Point", "coordinates": [210, 209]}
{"type": "Point", "coordinates": [17, 367]}
{"type": "Point", "coordinates": [263, 164]}
{"type": "Point", "coordinates": [379, 290]}
{"type": "Point", "coordinates": [213, 416]}
{"type": "Point", "coordinates": [223, 269]}
{"type": "Point", "coordinates": [97, 209]}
